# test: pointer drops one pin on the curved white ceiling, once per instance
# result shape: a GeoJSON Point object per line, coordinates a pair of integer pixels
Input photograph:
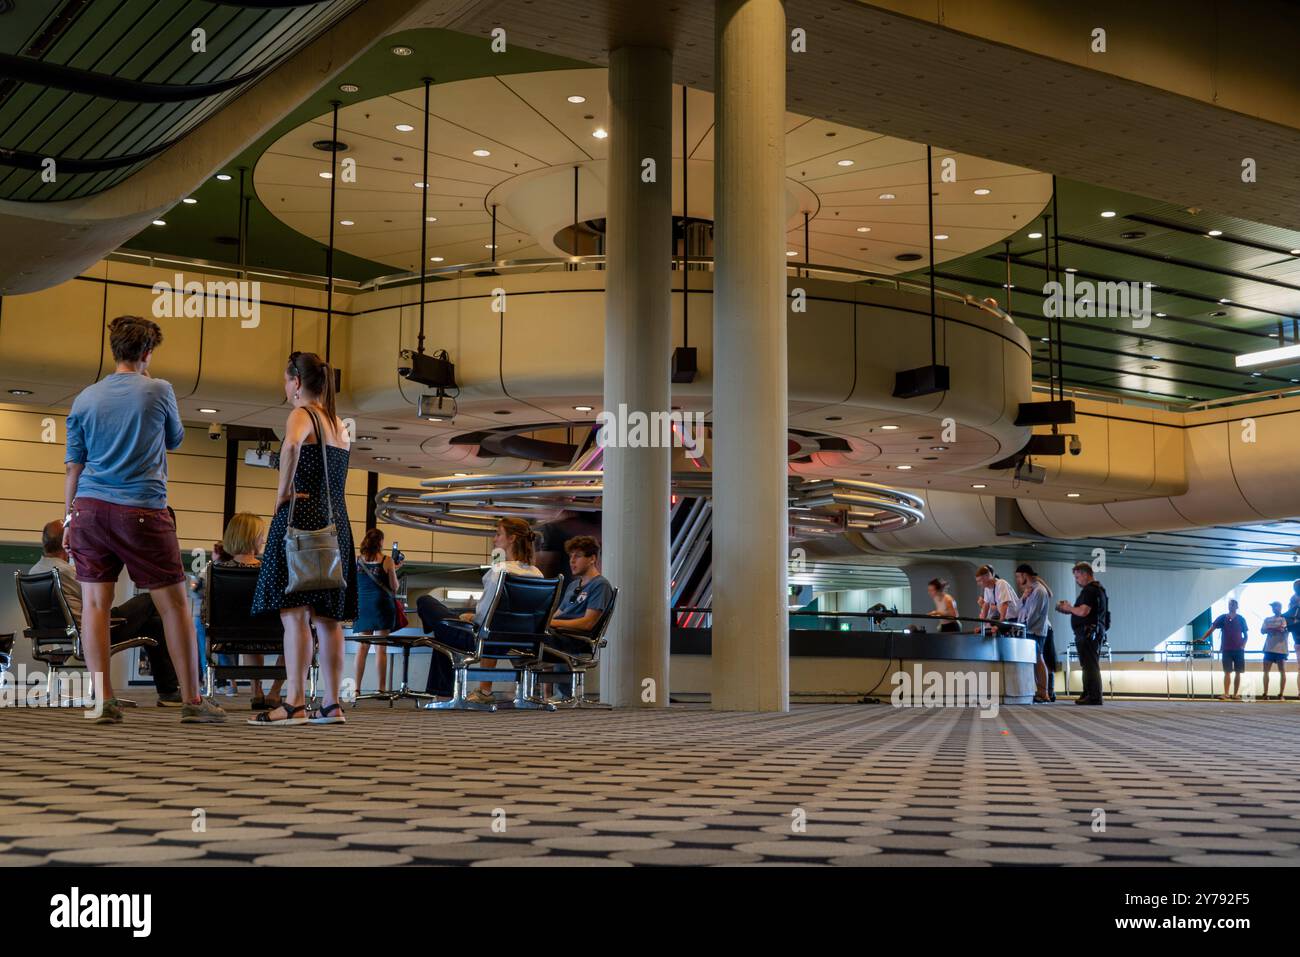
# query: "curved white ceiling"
{"type": "Point", "coordinates": [534, 136]}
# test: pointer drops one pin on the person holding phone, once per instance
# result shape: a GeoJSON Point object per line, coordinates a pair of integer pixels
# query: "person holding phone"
{"type": "Point", "coordinates": [376, 603]}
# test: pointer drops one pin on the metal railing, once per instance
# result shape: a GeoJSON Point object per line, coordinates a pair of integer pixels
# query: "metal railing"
{"type": "Point", "coordinates": [1013, 629]}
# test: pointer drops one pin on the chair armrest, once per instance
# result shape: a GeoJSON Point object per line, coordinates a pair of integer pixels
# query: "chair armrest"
{"type": "Point", "coordinates": [579, 636]}
{"type": "Point", "coordinates": [132, 643]}
{"type": "Point", "coordinates": [457, 655]}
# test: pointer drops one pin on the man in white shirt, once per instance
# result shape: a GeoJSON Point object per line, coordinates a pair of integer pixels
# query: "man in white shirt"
{"type": "Point", "coordinates": [1275, 649]}
{"type": "Point", "coordinates": [998, 601]}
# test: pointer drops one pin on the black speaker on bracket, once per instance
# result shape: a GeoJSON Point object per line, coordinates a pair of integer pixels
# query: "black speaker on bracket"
{"type": "Point", "coordinates": [926, 380]}
{"type": "Point", "coordinates": [684, 364]}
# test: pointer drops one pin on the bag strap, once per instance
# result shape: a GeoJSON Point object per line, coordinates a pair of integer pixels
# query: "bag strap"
{"type": "Point", "coordinates": [383, 585]}
{"type": "Point", "coordinates": [325, 467]}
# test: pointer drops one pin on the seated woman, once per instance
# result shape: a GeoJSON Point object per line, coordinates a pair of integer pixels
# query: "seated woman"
{"type": "Point", "coordinates": [514, 538]}
{"type": "Point", "coordinates": [242, 543]}
{"type": "Point", "coordinates": [944, 606]}
{"type": "Point", "coordinates": [376, 604]}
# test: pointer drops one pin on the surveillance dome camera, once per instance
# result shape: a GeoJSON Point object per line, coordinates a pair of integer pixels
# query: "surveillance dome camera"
{"type": "Point", "coordinates": [216, 431]}
{"type": "Point", "coordinates": [1075, 445]}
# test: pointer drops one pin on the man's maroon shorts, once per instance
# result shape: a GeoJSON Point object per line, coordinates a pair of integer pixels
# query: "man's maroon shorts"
{"type": "Point", "coordinates": [106, 536]}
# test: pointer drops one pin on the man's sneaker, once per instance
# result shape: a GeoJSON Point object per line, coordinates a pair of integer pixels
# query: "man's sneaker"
{"type": "Point", "coordinates": [205, 712]}
{"type": "Point", "coordinates": [170, 699]}
{"type": "Point", "coordinates": [479, 696]}
{"type": "Point", "coordinates": [111, 713]}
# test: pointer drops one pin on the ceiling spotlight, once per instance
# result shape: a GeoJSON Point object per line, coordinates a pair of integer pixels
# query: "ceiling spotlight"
{"type": "Point", "coordinates": [582, 408]}
{"type": "Point", "coordinates": [160, 222]}
{"type": "Point", "coordinates": [599, 133]}
{"type": "Point", "coordinates": [348, 88]}
{"type": "Point", "coordinates": [209, 411]}
{"type": "Point", "coordinates": [1108, 214]}
{"type": "Point", "coordinates": [1071, 494]}
{"type": "Point", "coordinates": [403, 127]}
{"type": "Point", "coordinates": [346, 222]}
{"type": "Point", "coordinates": [482, 152]}
{"type": "Point", "coordinates": [435, 259]}
{"type": "Point", "coordinates": [938, 448]}
{"type": "Point", "coordinates": [979, 485]}
{"type": "Point", "coordinates": [887, 196]}
{"type": "Point", "coordinates": [577, 99]}
{"type": "Point", "coordinates": [224, 177]}
{"type": "Point", "coordinates": [940, 235]}
{"type": "Point", "coordinates": [889, 428]}
{"type": "Point", "coordinates": [489, 246]}
{"type": "Point", "coordinates": [418, 185]}
{"type": "Point", "coordinates": [366, 438]}
{"type": "Point", "coordinates": [983, 191]}
{"type": "Point", "coordinates": [382, 458]}
{"type": "Point", "coordinates": [189, 200]}
{"type": "Point", "coordinates": [903, 468]}
{"type": "Point", "coordinates": [1215, 232]}
{"type": "Point", "coordinates": [844, 163]}
{"type": "Point", "coordinates": [325, 175]}
{"type": "Point", "coordinates": [864, 229]}
{"type": "Point", "coordinates": [431, 219]}
{"type": "Point", "coordinates": [402, 51]}
{"type": "Point", "coordinates": [20, 391]}
{"type": "Point", "coordinates": [1035, 235]}
{"type": "Point", "coordinates": [791, 252]}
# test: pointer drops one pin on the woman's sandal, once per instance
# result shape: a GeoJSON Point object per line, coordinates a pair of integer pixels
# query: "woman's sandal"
{"type": "Point", "coordinates": [264, 719]}
{"type": "Point", "coordinates": [330, 714]}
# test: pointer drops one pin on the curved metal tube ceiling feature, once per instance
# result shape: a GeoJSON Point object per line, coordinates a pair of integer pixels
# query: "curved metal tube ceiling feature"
{"type": "Point", "coordinates": [471, 505]}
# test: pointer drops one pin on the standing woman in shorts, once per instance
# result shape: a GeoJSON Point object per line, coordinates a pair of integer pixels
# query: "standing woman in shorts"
{"type": "Point", "coordinates": [310, 473]}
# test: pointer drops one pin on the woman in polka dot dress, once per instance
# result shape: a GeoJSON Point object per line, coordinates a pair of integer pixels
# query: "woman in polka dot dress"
{"type": "Point", "coordinates": [309, 386]}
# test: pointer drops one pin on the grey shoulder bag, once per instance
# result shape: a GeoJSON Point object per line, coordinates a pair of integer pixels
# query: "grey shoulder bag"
{"type": "Point", "coordinates": [312, 557]}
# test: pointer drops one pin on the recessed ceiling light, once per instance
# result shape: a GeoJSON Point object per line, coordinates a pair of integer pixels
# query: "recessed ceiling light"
{"type": "Point", "coordinates": [488, 246]}
{"type": "Point", "coordinates": [418, 185]}
{"type": "Point", "coordinates": [1108, 214]}
{"type": "Point", "coordinates": [864, 229]}
{"type": "Point", "coordinates": [189, 200]}
{"type": "Point", "coordinates": [889, 428]}
{"type": "Point", "coordinates": [20, 391]}
{"type": "Point", "coordinates": [325, 175]}
{"type": "Point", "coordinates": [577, 99]}
{"type": "Point", "coordinates": [403, 127]}
{"type": "Point", "coordinates": [382, 458]}
{"type": "Point", "coordinates": [224, 177]}
{"type": "Point", "coordinates": [431, 219]}
{"type": "Point", "coordinates": [938, 448]}
{"type": "Point", "coordinates": [1215, 232]}
{"type": "Point", "coordinates": [844, 163]}
{"type": "Point", "coordinates": [462, 475]}
{"type": "Point", "coordinates": [366, 438]}
{"type": "Point", "coordinates": [940, 235]}
{"type": "Point", "coordinates": [582, 408]}
{"type": "Point", "coordinates": [979, 485]}
{"type": "Point", "coordinates": [1035, 235]}
{"type": "Point", "coordinates": [903, 468]}
{"type": "Point", "coordinates": [1256, 375]}
{"type": "Point", "coordinates": [599, 133]}
{"type": "Point", "coordinates": [887, 196]}
{"type": "Point", "coordinates": [1160, 315]}
{"type": "Point", "coordinates": [1044, 339]}
{"type": "Point", "coordinates": [1295, 252]}
{"type": "Point", "coordinates": [346, 222]}
{"type": "Point", "coordinates": [160, 222]}
{"type": "Point", "coordinates": [209, 411]}
{"type": "Point", "coordinates": [435, 259]}
{"type": "Point", "coordinates": [402, 51]}
{"type": "Point", "coordinates": [1071, 494]}
{"type": "Point", "coordinates": [1070, 269]}
{"type": "Point", "coordinates": [983, 191]}
{"type": "Point", "coordinates": [1225, 300]}
{"type": "Point", "coordinates": [1008, 286]}
{"type": "Point", "coordinates": [791, 252]}
{"type": "Point", "coordinates": [348, 88]}
{"type": "Point", "coordinates": [482, 152]}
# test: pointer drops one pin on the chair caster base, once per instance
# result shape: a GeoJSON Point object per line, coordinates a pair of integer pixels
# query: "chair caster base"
{"type": "Point", "coordinates": [457, 704]}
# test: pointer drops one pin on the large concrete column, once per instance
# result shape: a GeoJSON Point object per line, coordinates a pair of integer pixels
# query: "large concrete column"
{"type": "Point", "coordinates": [751, 628]}
{"type": "Point", "coordinates": [638, 345]}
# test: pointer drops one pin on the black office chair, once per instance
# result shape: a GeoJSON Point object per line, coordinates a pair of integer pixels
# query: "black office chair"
{"type": "Point", "coordinates": [573, 665]}
{"type": "Point", "coordinates": [513, 630]}
{"type": "Point", "coordinates": [6, 651]}
{"type": "Point", "coordinates": [232, 628]}
{"type": "Point", "coordinates": [54, 633]}
{"type": "Point", "coordinates": [403, 690]}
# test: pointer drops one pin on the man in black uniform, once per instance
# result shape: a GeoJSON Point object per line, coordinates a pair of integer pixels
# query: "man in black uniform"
{"type": "Point", "coordinates": [1088, 619]}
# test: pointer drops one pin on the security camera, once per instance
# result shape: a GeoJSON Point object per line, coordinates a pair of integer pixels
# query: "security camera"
{"type": "Point", "coordinates": [216, 432]}
{"type": "Point", "coordinates": [1075, 445]}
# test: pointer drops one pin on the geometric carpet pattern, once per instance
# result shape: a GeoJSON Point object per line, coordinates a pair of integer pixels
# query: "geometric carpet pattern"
{"type": "Point", "coordinates": [1129, 784]}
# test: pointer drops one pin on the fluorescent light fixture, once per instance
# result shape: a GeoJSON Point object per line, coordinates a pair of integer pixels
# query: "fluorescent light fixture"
{"type": "Point", "coordinates": [1283, 355]}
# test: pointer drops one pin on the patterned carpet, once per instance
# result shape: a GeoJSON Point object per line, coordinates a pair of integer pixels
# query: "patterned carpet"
{"type": "Point", "coordinates": [1179, 783]}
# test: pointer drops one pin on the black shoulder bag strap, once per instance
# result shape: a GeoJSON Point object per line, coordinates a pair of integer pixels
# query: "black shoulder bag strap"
{"type": "Point", "coordinates": [325, 468]}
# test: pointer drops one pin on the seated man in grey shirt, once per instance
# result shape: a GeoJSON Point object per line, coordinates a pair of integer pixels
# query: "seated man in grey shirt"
{"type": "Point", "coordinates": [138, 615]}
{"type": "Point", "coordinates": [1035, 603]}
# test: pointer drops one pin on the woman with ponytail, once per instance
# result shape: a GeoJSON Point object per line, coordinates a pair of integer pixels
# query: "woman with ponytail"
{"type": "Point", "coordinates": [313, 471]}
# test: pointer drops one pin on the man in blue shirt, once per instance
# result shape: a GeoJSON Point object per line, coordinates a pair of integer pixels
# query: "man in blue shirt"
{"type": "Point", "coordinates": [119, 432]}
{"type": "Point", "coordinates": [1034, 605]}
{"type": "Point", "coordinates": [587, 596]}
